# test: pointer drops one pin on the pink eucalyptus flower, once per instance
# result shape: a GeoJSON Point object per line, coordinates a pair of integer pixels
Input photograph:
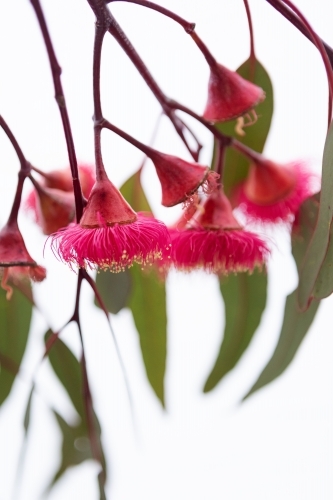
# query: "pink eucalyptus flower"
{"type": "Point", "coordinates": [110, 234]}
{"type": "Point", "coordinates": [214, 241]}
{"type": "Point", "coordinates": [273, 193]}
{"type": "Point", "coordinates": [230, 95]}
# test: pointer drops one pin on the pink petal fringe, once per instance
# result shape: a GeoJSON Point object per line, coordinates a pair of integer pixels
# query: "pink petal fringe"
{"type": "Point", "coordinates": [217, 251]}
{"type": "Point", "coordinates": [285, 209]}
{"type": "Point", "coordinates": [113, 247]}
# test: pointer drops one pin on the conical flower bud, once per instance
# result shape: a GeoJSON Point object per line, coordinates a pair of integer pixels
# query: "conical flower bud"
{"type": "Point", "coordinates": [217, 213]}
{"type": "Point", "coordinates": [13, 251]}
{"type": "Point", "coordinates": [54, 209]}
{"type": "Point", "coordinates": [179, 179]}
{"type": "Point", "coordinates": [230, 95]}
{"type": "Point", "coordinates": [62, 179]}
{"type": "Point", "coordinates": [106, 206]}
{"type": "Point", "coordinates": [273, 193]}
{"type": "Point", "coordinates": [15, 260]}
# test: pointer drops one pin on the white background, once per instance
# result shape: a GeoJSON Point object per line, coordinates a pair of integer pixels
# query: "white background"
{"type": "Point", "coordinates": [276, 445]}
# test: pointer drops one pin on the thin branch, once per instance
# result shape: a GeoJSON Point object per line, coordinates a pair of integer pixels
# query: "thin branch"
{"type": "Point", "coordinates": [99, 299]}
{"type": "Point", "coordinates": [105, 18]}
{"type": "Point", "coordinates": [60, 98]}
{"type": "Point", "coordinates": [291, 17]}
{"type": "Point", "coordinates": [188, 27]}
{"type": "Point", "coordinates": [87, 397]}
{"type": "Point", "coordinates": [25, 166]}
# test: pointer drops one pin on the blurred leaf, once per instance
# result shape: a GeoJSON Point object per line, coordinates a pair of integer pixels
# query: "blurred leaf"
{"type": "Point", "coordinates": [245, 300]}
{"type": "Point", "coordinates": [295, 322]}
{"type": "Point", "coordinates": [148, 305]}
{"type": "Point", "coordinates": [26, 421]}
{"type": "Point", "coordinates": [68, 370]}
{"type": "Point", "coordinates": [236, 166]}
{"type": "Point", "coordinates": [114, 289]}
{"type": "Point", "coordinates": [134, 194]}
{"type": "Point", "coordinates": [75, 446]}
{"type": "Point", "coordinates": [15, 318]}
{"type": "Point", "coordinates": [147, 301]}
{"type": "Point", "coordinates": [318, 246]}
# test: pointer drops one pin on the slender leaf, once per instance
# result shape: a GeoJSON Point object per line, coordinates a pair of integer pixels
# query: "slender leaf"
{"type": "Point", "coordinates": [68, 370]}
{"type": "Point", "coordinates": [148, 305]}
{"type": "Point", "coordinates": [134, 194]}
{"type": "Point", "coordinates": [147, 302]}
{"type": "Point", "coordinates": [15, 318]}
{"type": "Point", "coordinates": [245, 300]}
{"type": "Point", "coordinates": [318, 246]}
{"type": "Point", "coordinates": [236, 166]}
{"type": "Point", "coordinates": [324, 283]}
{"type": "Point", "coordinates": [114, 289]}
{"type": "Point", "coordinates": [75, 446]}
{"type": "Point", "coordinates": [296, 323]}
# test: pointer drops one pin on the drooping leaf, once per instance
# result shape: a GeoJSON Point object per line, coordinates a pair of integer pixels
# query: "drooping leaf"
{"type": "Point", "coordinates": [324, 283]}
{"type": "Point", "coordinates": [114, 289]}
{"type": "Point", "coordinates": [134, 194]}
{"type": "Point", "coordinates": [147, 302]}
{"type": "Point", "coordinates": [318, 245]}
{"type": "Point", "coordinates": [244, 297]}
{"type": "Point", "coordinates": [68, 370]}
{"type": "Point", "coordinates": [236, 166]}
{"type": "Point", "coordinates": [76, 445]}
{"type": "Point", "coordinates": [296, 323]}
{"type": "Point", "coordinates": [15, 318]}
{"type": "Point", "coordinates": [148, 305]}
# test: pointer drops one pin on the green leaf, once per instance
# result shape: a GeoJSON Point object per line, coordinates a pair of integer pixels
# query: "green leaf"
{"type": "Point", "coordinates": [236, 166]}
{"type": "Point", "coordinates": [134, 194]}
{"type": "Point", "coordinates": [15, 318]}
{"type": "Point", "coordinates": [147, 301]}
{"type": "Point", "coordinates": [318, 246]}
{"type": "Point", "coordinates": [148, 305]}
{"type": "Point", "coordinates": [114, 289]}
{"type": "Point", "coordinates": [296, 323]}
{"type": "Point", "coordinates": [245, 300]}
{"type": "Point", "coordinates": [324, 283]}
{"type": "Point", "coordinates": [68, 370]}
{"type": "Point", "coordinates": [26, 421]}
{"type": "Point", "coordinates": [76, 446]}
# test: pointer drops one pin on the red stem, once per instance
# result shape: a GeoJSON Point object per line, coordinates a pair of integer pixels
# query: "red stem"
{"type": "Point", "coordinates": [89, 410]}
{"type": "Point", "coordinates": [60, 98]}
{"type": "Point", "coordinates": [293, 19]}
{"type": "Point", "coordinates": [319, 44]}
{"type": "Point", "coordinates": [208, 55]}
{"type": "Point", "coordinates": [188, 27]}
{"type": "Point", "coordinates": [23, 173]}
{"type": "Point", "coordinates": [252, 51]}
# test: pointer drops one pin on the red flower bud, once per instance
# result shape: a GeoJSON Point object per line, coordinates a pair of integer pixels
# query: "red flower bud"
{"type": "Point", "coordinates": [54, 209]}
{"type": "Point", "coordinates": [230, 95]}
{"type": "Point", "coordinates": [180, 179]}
{"type": "Point", "coordinates": [15, 260]}
{"type": "Point", "coordinates": [273, 193]}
